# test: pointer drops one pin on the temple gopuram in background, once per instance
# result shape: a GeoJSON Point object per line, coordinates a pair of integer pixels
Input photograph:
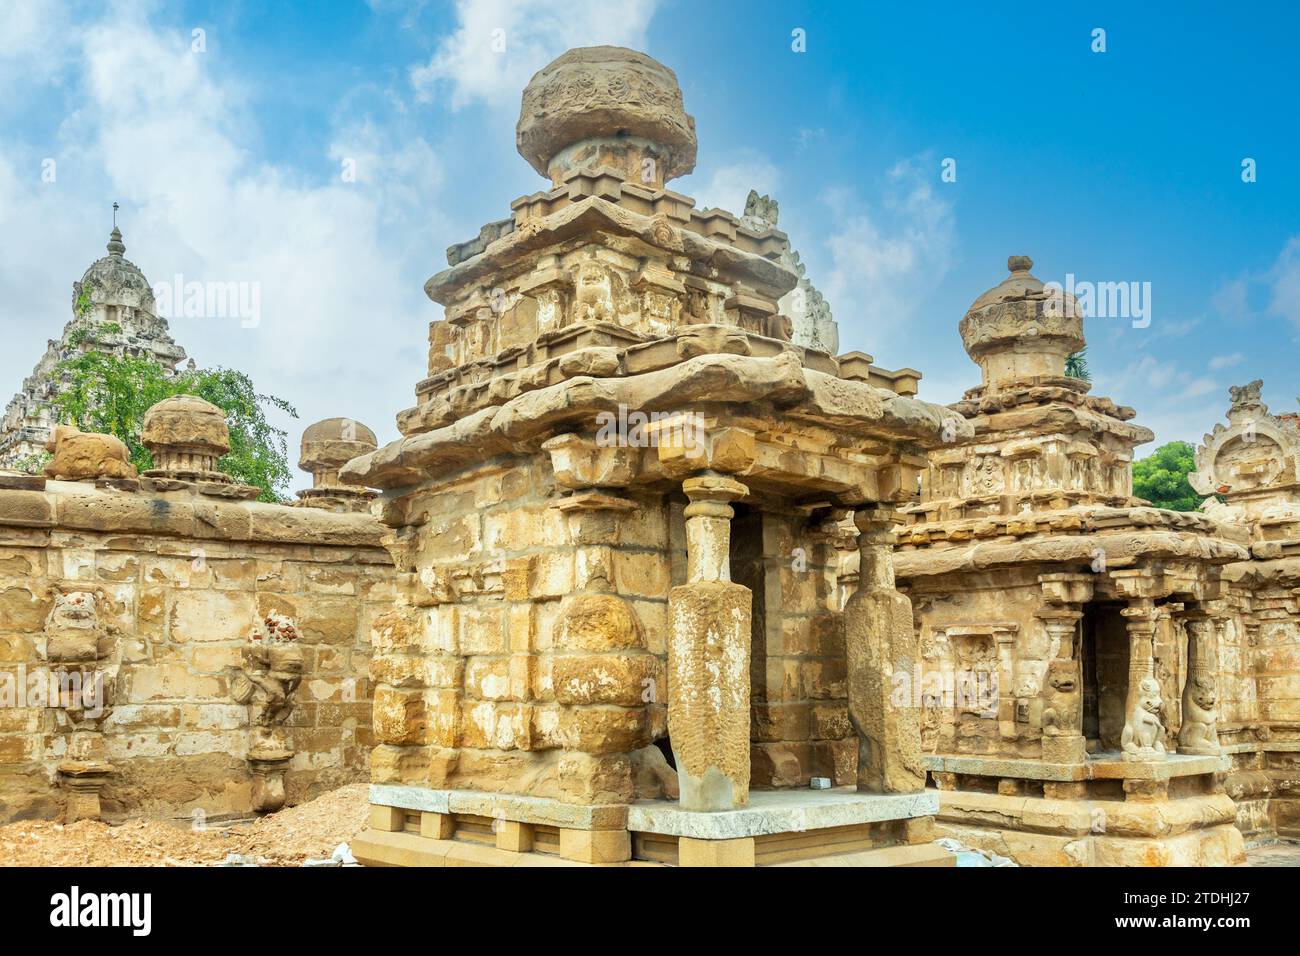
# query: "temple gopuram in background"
{"type": "Point", "coordinates": [113, 312]}
{"type": "Point", "coordinates": [616, 512]}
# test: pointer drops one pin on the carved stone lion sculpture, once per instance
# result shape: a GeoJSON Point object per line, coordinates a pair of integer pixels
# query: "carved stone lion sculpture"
{"type": "Point", "coordinates": [79, 455]}
{"type": "Point", "coordinates": [1143, 735]}
{"type": "Point", "coordinates": [1244, 394]}
{"type": "Point", "coordinates": [1061, 715]}
{"type": "Point", "coordinates": [1199, 731]}
{"type": "Point", "coordinates": [764, 210]}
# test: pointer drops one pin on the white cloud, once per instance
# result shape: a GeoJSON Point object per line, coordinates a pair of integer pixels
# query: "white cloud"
{"type": "Point", "coordinates": [1278, 287]}
{"type": "Point", "coordinates": [884, 253]}
{"type": "Point", "coordinates": [499, 44]}
{"type": "Point", "coordinates": [1226, 361]}
{"type": "Point", "coordinates": [1284, 283]}
{"type": "Point", "coordinates": [729, 185]}
{"type": "Point", "coordinates": [36, 40]}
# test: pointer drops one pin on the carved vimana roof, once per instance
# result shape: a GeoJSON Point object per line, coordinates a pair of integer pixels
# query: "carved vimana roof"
{"type": "Point", "coordinates": [1046, 458]}
{"type": "Point", "coordinates": [605, 277]}
{"type": "Point", "coordinates": [113, 311]}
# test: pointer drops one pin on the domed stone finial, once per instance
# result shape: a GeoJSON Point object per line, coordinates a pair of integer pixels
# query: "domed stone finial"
{"type": "Point", "coordinates": [187, 436]}
{"type": "Point", "coordinates": [1022, 329]}
{"type": "Point", "coordinates": [116, 246]}
{"type": "Point", "coordinates": [326, 447]}
{"type": "Point", "coordinates": [606, 106]}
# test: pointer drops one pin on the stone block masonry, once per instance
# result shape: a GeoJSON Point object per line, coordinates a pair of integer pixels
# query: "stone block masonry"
{"type": "Point", "coordinates": [157, 588]}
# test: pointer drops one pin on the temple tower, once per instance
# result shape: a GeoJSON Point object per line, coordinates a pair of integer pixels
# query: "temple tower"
{"type": "Point", "coordinates": [1059, 618]}
{"type": "Point", "coordinates": [113, 311]}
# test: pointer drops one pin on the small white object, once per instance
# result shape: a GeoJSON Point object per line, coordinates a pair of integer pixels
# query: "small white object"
{"type": "Point", "coordinates": [343, 855]}
{"type": "Point", "coordinates": [820, 783]}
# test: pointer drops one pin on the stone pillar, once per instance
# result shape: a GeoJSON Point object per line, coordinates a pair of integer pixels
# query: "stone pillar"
{"type": "Point", "coordinates": [604, 678]}
{"type": "Point", "coordinates": [1063, 740]}
{"type": "Point", "coordinates": [1143, 737]}
{"type": "Point", "coordinates": [593, 519]}
{"type": "Point", "coordinates": [708, 656]}
{"type": "Point", "coordinates": [880, 644]}
{"type": "Point", "coordinates": [1198, 732]}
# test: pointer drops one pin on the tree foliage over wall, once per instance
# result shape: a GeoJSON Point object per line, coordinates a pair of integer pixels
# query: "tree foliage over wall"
{"type": "Point", "coordinates": [1162, 477]}
{"type": "Point", "coordinates": [105, 393]}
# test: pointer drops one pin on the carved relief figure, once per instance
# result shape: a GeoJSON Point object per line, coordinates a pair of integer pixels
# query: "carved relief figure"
{"type": "Point", "coordinates": [1199, 731]}
{"type": "Point", "coordinates": [1247, 394]}
{"type": "Point", "coordinates": [72, 630]}
{"type": "Point", "coordinates": [1143, 731]}
{"type": "Point", "coordinates": [986, 475]}
{"type": "Point", "coordinates": [271, 672]}
{"type": "Point", "coordinates": [1062, 715]}
{"type": "Point", "coordinates": [593, 297]}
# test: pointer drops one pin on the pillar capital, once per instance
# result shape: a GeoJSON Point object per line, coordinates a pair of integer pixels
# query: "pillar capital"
{"type": "Point", "coordinates": [875, 522]}
{"type": "Point", "coordinates": [713, 488]}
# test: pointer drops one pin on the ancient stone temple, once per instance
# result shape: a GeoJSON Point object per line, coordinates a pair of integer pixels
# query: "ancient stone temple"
{"type": "Point", "coordinates": [113, 311]}
{"type": "Point", "coordinates": [170, 646]}
{"type": "Point", "coordinates": [1251, 466]}
{"type": "Point", "coordinates": [1071, 637]}
{"type": "Point", "coordinates": [617, 513]}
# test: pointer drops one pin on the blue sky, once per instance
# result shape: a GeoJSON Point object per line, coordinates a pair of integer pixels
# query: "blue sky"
{"type": "Point", "coordinates": [1115, 166]}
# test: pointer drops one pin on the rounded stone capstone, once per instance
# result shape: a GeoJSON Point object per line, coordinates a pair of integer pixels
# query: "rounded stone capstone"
{"type": "Point", "coordinates": [115, 280]}
{"type": "Point", "coordinates": [186, 421]}
{"type": "Point", "coordinates": [591, 100]}
{"type": "Point", "coordinates": [334, 442]}
{"type": "Point", "coordinates": [1022, 327]}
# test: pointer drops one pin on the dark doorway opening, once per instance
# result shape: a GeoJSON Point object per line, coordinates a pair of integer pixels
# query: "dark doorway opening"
{"type": "Point", "coordinates": [1103, 656]}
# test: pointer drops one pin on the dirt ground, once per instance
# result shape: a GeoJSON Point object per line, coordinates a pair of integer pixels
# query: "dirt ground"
{"type": "Point", "coordinates": [287, 838]}
{"type": "Point", "coordinates": [310, 831]}
{"type": "Point", "coordinates": [1283, 853]}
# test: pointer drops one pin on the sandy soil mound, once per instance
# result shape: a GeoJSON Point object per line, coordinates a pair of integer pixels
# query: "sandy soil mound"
{"type": "Point", "coordinates": [309, 831]}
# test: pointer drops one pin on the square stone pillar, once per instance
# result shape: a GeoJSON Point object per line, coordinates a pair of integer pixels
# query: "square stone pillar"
{"type": "Point", "coordinates": [881, 646]}
{"type": "Point", "coordinates": [1144, 731]}
{"type": "Point", "coordinates": [708, 656]}
{"type": "Point", "coordinates": [1063, 740]}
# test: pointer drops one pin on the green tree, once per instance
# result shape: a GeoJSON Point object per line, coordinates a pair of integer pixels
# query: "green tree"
{"type": "Point", "coordinates": [1076, 365]}
{"type": "Point", "coordinates": [1162, 478]}
{"type": "Point", "coordinates": [105, 393]}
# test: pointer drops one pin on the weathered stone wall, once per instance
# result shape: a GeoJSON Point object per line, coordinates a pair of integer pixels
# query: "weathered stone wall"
{"type": "Point", "coordinates": [497, 671]}
{"type": "Point", "coordinates": [1259, 648]}
{"type": "Point", "coordinates": [176, 582]}
{"type": "Point", "coordinates": [800, 721]}
{"type": "Point", "coordinates": [979, 645]}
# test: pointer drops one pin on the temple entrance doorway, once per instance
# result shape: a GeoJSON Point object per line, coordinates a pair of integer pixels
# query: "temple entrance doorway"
{"type": "Point", "coordinates": [1103, 655]}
